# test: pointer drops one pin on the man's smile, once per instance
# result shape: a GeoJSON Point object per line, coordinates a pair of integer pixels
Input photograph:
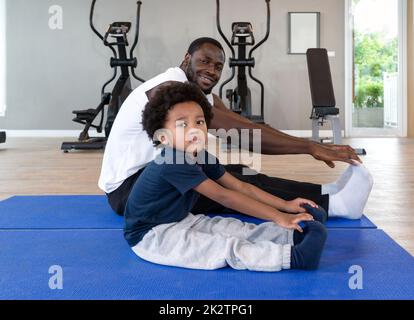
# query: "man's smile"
{"type": "Point", "coordinates": [207, 80]}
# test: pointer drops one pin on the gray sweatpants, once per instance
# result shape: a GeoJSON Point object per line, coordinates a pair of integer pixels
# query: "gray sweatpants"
{"type": "Point", "coordinates": [201, 242]}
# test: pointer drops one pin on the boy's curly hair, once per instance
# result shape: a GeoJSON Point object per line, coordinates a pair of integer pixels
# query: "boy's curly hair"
{"type": "Point", "coordinates": [156, 110]}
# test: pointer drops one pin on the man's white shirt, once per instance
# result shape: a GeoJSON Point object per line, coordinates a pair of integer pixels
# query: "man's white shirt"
{"type": "Point", "coordinates": [129, 148]}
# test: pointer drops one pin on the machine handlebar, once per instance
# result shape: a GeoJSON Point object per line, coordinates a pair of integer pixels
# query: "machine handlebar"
{"type": "Point", "coordinates": [118, 26]}
{"type": "Point", "coordinates": [267, 30]}
{"type": "Point", "coordinates": [226, 39]}
{"type": "Point", "coordinates": [91, 21]}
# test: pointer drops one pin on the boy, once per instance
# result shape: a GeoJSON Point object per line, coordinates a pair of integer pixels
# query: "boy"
{"type": "Point", "coordinates": [159, 226]}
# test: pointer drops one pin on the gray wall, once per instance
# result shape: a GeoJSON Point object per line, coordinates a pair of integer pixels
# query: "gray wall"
{"type": "Point", "coordinates": [52, 72]}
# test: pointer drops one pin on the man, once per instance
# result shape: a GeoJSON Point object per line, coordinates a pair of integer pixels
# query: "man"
{"type": "Point", "coordinates": [129, 150]}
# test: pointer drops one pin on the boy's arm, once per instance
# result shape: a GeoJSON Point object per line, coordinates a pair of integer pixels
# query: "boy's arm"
{"type": "Point", "coordinates": [242, 203]}
{"type": "Point", "coordinates": [230, 182]}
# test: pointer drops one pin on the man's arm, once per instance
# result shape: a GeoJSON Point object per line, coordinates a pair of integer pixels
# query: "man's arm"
{"type": "Point", "coordinates": [232, 183]}
{"type": "Point", "coordinates": [277, 142]}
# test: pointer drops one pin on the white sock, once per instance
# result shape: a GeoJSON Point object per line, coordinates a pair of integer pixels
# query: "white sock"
{"type": "Point", "coordinates": [335, 187]}
{"type": "Point", "coordinates": [349, 202]}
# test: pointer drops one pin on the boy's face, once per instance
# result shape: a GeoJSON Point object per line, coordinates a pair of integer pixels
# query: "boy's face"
{"type": "Point", "coordinates": [186, 127]}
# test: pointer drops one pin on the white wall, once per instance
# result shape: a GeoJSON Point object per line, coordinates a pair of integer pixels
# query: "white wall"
{"type": "Point", "coordinates": [52, 72]}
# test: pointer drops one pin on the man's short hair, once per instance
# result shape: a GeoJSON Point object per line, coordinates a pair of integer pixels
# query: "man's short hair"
{"type": "Point", "coordinates": [197, 43]}
{"type": "Point", "coordinates": [156, 110]}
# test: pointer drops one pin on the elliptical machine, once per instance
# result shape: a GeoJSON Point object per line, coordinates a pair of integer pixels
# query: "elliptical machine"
{"type": "Point", "coordinates": [118, 31]}
{"type": "Point", "coordinates": [242, 36]}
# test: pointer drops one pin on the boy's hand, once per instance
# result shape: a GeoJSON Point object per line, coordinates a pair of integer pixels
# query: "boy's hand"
{"type": "Point", "coordinates": [295, 206]}
{"type": "Point", "coordinates": [291, 221]}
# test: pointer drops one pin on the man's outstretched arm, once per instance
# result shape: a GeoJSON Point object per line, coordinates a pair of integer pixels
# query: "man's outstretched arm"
{"type": "Point", "coordinates": [277, 142]}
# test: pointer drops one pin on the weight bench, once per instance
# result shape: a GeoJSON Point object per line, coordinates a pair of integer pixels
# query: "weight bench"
{"type": "Point", "coordinates": [323, 96]}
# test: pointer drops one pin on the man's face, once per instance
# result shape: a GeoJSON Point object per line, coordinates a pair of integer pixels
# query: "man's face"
{"type": "Point", "coordinates": [186, 127]}
{"type": "Point", "coordinates": [204, 66]}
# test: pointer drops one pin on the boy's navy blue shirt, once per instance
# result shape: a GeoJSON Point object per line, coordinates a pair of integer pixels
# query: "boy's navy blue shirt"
{"type": "Point", "coordinates": [164, 193]}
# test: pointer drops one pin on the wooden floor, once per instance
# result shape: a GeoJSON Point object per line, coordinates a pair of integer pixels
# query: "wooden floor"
{"type": "Point", "coordinates": [36, 166]}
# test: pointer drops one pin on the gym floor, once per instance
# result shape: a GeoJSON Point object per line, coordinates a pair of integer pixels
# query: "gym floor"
{"type": "Point", "coordinates": [36, 166]}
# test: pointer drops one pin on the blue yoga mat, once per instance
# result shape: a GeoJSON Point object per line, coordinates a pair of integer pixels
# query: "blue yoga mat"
{"type": "Point", "coordinates": [92, 212]}
{"type": "Point", "coordinates": [58, 212]}
{"type": "Point", "coordinates": [98, 264]}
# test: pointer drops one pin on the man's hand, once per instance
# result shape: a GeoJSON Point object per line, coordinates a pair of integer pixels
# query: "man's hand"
{"type": "Point", "coordinates": [330, 153]}
{"type": "Point", "coordinates": [296, 205]}
{"type": "Point", "coordinates": [291, 221]}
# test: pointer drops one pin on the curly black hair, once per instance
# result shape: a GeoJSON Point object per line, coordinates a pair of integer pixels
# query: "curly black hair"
{"type": "Point", "coordinates": [156, 110]}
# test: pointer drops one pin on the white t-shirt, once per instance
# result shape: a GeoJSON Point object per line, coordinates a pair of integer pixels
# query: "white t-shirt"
{"type": "Point", "coordinates": [129, 148]}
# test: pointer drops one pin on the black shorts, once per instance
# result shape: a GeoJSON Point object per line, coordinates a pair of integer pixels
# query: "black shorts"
{"type": "Point", "coordinates": [282, 188]}
{"type": "Point", "coordinates": [118, 198]}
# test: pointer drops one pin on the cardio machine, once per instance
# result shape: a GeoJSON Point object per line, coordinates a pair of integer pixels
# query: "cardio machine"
{"type": "Point", "coordinates": [242, 36]}
{"type": "Point", "coordinates": [116, 40]}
